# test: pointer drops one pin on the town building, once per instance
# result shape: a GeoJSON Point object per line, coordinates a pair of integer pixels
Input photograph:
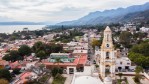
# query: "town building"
{"type": "Point", "coordinates": [25, 29]}
{"type": "Point", "coordinates": [24, 77]}
{"type": "Point", "coordinates": [124, 64]}
{"type": "Point", "coordinates": [144, 29]}
{"type": "Point", "coordinates": [69, 63]}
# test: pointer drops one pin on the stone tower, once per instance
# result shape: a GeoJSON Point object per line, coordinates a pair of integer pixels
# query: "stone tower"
{"type": "Point", "coordinates": [107, 56]}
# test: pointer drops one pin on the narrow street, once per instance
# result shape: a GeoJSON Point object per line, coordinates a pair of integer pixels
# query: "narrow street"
{"type": "Point", "coordinates": [91, 51]}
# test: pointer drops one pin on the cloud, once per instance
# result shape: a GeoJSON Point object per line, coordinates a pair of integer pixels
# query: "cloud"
{"type": "Point", "coordinates": [57, 10]}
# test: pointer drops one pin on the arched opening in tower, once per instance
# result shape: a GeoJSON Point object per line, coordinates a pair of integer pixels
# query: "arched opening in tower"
{"type": "Point", "coordinates": [107, 70]}
{"type": "Point", "coordinates": [107, 55]}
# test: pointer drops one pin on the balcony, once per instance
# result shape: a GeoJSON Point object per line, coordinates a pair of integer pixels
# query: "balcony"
{"type": "Point", "coordinates": [110, 61]}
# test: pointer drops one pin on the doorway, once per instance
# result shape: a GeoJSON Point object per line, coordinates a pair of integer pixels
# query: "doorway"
{"type": "Point", "coordinates": [71, 70]}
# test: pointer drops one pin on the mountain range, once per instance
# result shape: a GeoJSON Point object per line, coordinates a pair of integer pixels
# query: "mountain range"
{"type": "Point", "coordinates": [112, 16]}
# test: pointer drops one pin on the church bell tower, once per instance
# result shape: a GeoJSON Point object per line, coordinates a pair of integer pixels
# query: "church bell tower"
{"type": "Point", "coordinates": [107, 57]}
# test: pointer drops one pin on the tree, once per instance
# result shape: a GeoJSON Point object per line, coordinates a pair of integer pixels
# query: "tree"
{"type": "Point", "coordinates": [139, 54]}
{"type": "Point", "coordinates": [24, 50]}
{"type": "Point", "coordinates": [12, 38]}
{"type": "Point", "coordinates": [12, 56]}
{"type": "Point", "coordinates": [46, 48]}
{"type": "Point", "coordinates": [141, 48]}
{"type": "Point", "coordinates": [120, 75]}
{"type": "Point", "coordinates": [96, 43]}
{"type": "Point", "coordinates": [138, 69]}
{"type": "Point", "coordinates": [5, 74]}
{"type": "Point", "coordinates": [125, 38]}
{"type": "Point", "coordinates": [3, 81]}
{"type": "Point", "coordinates": [137, 58]}
{"type": "Point", "coordinates": [27, 37]}
{"type": "Point", "coordinates": [37, 46]}
{"type": "Point", "coordinates": [41, 54]}
{"type": "Point", "coordinates": [96, 65]}
{"type": "Point", "coordinates": [117, 45]}
{"type": "Point", "coordinates": [137, 79]}
{"type": "Point", "coordinates": [39, 33]}
{"type": "Point", "coordinates": [15, 55]}
{"type": "Point", "coordinates": [16, 71]}
{"type": "Point", "coordinates": [139, 35]}
{"type": "Point", "coordinates": [58, 60]}
{"type": "Point", "coordinates": [56, 48]}
{"type": "Point", "coordinates": [55, 71]}
{"type": "Point", "coordinates": [7, 57]}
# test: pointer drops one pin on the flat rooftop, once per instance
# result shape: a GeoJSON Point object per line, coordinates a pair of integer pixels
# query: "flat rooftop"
{"type": "Point", "coordinates": [80, 51]}
{"type": "Point", "coordinates": [59, 54]}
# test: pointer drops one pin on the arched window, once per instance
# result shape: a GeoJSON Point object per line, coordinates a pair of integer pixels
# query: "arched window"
{"type": "Point", "coordinates": [107, 55]}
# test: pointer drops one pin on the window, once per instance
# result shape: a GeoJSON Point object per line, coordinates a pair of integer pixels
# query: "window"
{"type": "Point", "coordinates": [107, 45]}
{"type": "Point", "coordinates": [107, 55]}
{"type": "Point", "coordinates": [107, 37]}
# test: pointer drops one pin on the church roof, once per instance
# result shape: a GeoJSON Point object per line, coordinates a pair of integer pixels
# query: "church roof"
{"type": "Point", "coordinates": [107, 29]}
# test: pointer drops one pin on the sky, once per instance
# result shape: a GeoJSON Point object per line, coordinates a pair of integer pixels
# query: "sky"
{"type": "Point", "coordinates": [54, 11]}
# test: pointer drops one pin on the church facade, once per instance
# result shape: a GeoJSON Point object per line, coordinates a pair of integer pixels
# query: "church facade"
{"type": "Point", "coordinates": [109, 60]}
{"type": "Point", "coordinates": [106, 56]}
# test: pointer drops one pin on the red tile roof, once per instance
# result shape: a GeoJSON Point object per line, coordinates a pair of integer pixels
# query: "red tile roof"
{"type": "Point", "coordinates": [79, 60]}
{"type": "Point", "coordinates": [23, 77]}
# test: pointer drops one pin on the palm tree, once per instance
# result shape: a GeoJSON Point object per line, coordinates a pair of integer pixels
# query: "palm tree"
{"type": "Point", "coordinates": [58, 60]}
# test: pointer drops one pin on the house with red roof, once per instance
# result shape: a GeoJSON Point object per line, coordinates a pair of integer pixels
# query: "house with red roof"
{"type": "Point", "coordinates": [24, 77]}
{"type": "Point", "coordinates": [69, 64]}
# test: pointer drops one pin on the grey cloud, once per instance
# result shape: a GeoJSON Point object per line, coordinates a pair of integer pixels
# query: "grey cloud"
{"type": "Point", "coordinates": [69, 10]}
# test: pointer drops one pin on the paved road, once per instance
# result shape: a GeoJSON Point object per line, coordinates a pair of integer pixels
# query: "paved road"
{"type": "Point", "coordinates": [69, 78]}
{"type": "Point", "coordinates": [144, 81]}
{"type": "Point", "coordinates": [91, 51]}
{"type": "Point", "coordinates": [130, 80]}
